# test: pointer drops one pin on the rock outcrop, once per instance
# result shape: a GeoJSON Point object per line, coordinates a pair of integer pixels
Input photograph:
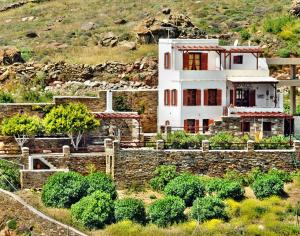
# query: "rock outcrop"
{"type": "Point", "coordinates": [295, 9]}
{"type": "Point", "coordinates": [10, 55]}
{"type": "Point", "coordinates": [152, 29]}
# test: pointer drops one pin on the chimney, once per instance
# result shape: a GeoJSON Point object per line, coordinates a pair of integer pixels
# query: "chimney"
{"type": "Point", "coordinates": [109, 103]}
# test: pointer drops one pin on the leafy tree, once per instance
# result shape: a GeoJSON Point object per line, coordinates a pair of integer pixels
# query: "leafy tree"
{"type": "Point", "coordinates": [101, 181]}
{"type": "Point", "coordinates": [64, 189]}
{"type": "Point", "coordinates": [208, 208]}
{"type": "Point", "coordinates": [130, 209]}
{"type": "Point", "coordinates": [186, 186]}
{"type": "Point", "coordinates": [167, 211]}
{"type": "Point", "coordinates": [21, 127]}
{"type": "Point", "coordinates": [268, 185]}
{"type": "Point", "coordinates": [72, 119]}
{"type": "Point", "coordinates": [94, 211]}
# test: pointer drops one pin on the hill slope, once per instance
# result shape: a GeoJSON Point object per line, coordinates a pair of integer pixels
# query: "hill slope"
{"type": "Point", "coordinates": [59, 30]}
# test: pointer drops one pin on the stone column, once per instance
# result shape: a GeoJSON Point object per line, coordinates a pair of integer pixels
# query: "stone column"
{"type": "Point", "coordinates": [66, 151]}
{"type": "Point", "coordinates": [25, 158]}
{"type": "Point", "coordinates": [205, 145]}
{"type": "Point", "coordinates": [250, 145]}
{"type": "Point", "coordinates": [109, 101]}
{"type": "Point", "coordinates": [116, 146]}
{"type": "Point", "coordinates": [160, 145]}
{"type": "Point", "coordinates": [107, 143]}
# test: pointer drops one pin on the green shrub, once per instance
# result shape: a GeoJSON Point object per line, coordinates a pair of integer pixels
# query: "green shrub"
{"type": "Point", "coordinates": [9, 176]}
{"type": "Point", "coordinates": [12, 224]}
{"type": "Point", "coordinates": [130, 209]}
{"type": "Point", "coordinates": [274, 142]}
{"type": "Point", "coordinates": [6, 97]}
{"type": "Point", "coordinates": [182, 140]}
{"type": "Point", "coordinates": [163, 175]}
{"type": "Point", "coordinates": [165, 212]}
{"type": "Point", "coordinates": [101, 181]}
{"type": "Point", "coordinates": [63, 189]}
{"type": "Point", "coordinates": [226, 140]}
{"type": "Point", "coordinates": [267, 185]}
{"type": "Point", "coordinates": [208, 208]}
{"type": "Point", "coordinates": [186, 186]}
{"type": "Point", "coordinates": [94, 211]}
{"type": "Point", "coordinates": [281, 174]}
{"type": "Point", "coordinates": [224, 188]}
{"type": "Point", "coordinates": [252, 175]}
{"type": "Point", "coordinates": [276, 24]}
{"type": "Point", "coordinates": [245, 35]}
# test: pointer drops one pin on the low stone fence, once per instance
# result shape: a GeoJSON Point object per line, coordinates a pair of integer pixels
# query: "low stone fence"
{"type": "Point", "coordinates": [137, 165]}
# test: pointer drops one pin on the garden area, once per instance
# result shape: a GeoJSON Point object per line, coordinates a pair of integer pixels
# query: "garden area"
{"type": "Point", "coordinates": [172, 203]}
{"type": "Point", "coordinates": [221, 141]}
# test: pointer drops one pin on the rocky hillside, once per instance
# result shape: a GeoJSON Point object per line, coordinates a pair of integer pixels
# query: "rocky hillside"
{"type": "Point", "coordinates": [105, 42]}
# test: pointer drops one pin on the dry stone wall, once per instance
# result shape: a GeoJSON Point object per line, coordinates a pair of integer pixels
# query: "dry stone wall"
{"type": "Point", "coordinates": [136, 166]}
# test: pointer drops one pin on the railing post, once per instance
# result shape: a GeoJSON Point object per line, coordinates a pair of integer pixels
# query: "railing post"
{"type": "Point", "coordinates": [205, 145]}
{"type": "Point", "coordinates": [107, 143]}
{"type": "Point", "coordinates": [160, 145]}
{"type": "Point", "coordinates": [26, 158]}
{"type": "Point", "coordinates": [250, 145]}
{"type": "Point", "coordinates": [66, 151]}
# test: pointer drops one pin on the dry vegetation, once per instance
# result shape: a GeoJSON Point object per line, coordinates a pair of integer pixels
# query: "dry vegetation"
{"type": "Point", "coordinates": [59, 23]}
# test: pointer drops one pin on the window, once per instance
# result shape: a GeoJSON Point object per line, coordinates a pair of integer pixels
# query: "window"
{"type": "Point", "coordinates": [167, 60]}
{"type": "Point", "coordinates": [195, 61]}
{"type": "Point", "coordinates": [238, 59]}
{"type": "Point", "coordinates": [191, 97]}
{"type": "Point", "coordinates": [212, 97]}
{"type": "Point", "coordinates": [167, 97]}
{"type": "Point", "coordinates": [245, 127]}
{"type": "Point", "coordinates": [267, 127]}
{"type": "Point", "coordinates": [174, 97]}
{"type": "Point", "coordinates": [191, 126]}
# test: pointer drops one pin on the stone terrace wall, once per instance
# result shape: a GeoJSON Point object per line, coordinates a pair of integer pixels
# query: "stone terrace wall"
{"type": "Point", "coordinates": [137, 165]}
{"type": "Point", "coordinates": [81, 162]}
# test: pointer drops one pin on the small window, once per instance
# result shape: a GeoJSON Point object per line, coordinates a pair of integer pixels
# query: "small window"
{"type": "Point", "coordinates": [167, 60]}
{"type": "Point", "coordinates": [245, 126]}
{"type": "Point", "coordinates": [174, 97]}
{"type": "Point", "coordinates": [238, 59]}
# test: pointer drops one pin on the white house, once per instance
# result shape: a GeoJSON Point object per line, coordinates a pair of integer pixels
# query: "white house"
{"type": "Point", "coordinates": [201, 82]}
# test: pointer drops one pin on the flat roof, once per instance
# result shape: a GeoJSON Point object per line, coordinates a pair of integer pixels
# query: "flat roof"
{"type": "Point", "coordinates": [289, 82]}
{"type": "Point", "coordinates": [263, 79]}
{"type": "Point", "coordinates": [283, 61]}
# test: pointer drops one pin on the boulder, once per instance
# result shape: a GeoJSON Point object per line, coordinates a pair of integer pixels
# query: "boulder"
{"type": "Point", "coordinates": [10, 55]}
{"type": "Point", "coordinates": [295, 8]}
{"type": "Point", "coordinates": [108, 40]}
{"type": "Point", "coordinates": [128, 45]}
{"type": "Point", "coordinates": [120, 21]}
{"type": "Point", "coordinates": [166, 11]}
{"type": "Point", "coordinates": [31, 34]}
{"type": "Point", "coordinates": [88, 26]}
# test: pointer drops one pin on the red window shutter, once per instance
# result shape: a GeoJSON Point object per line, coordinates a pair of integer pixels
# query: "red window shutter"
{"type": "Point", "coordinates": [210, 122]}
{"type": "Point", "coordinates": [186, 127]}
{"type": "Point", "coordinates": [185, 60]}
{"type": "Point", "coordinates": [167, 97]}
{"type": "Point", "coordinates": [206, 97]}
{"type": "Point", "coordinates": [167, 60]}
{"type": "Point", "coordinates": [185, 93]}
{"type": "Point", "coordinates": [204, 61]}
{"type": "Point", "coordinates": [175, 97]}
{"type": "Point", "coordinates": [198, 97]}
{"type": "Point", "coordinates": [197, 126]}
{"type": "Point", "coordinates": [231, 96]}
{"type": "Point", "coordinates": [219, 97]}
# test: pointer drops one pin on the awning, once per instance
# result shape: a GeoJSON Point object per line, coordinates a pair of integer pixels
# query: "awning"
{"type": "Point", "coordinates": [250, 79]}
{"type": "Point", "coordinates": [201, 48]}
{"type": "Point", "coordinates": [245, 50]}
{"type": "Point", "coordinates": [263, 115]}
{"type": "Point", "coordinates": [117, 115]}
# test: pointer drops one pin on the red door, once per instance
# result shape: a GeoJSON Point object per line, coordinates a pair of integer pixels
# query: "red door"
{"type": "Point", "coordinates": [252, 98]}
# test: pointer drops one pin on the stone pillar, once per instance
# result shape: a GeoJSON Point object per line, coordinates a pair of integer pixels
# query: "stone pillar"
{"type": "Point", "coordinates": [107, 143]}
{"type": "Point", "coordinates": [160, 145]}
{"type": "Point", "coordinates": [168, 129]}
{"type": "Point", "coordinates": [297, 146]}
{"type": "Point", "coordinates": [205, 145]}
{"type": "Point", "coordinates": [250, 145]}
{"type": "Point", "coordinates": [25, 158]}
{"type": "Point", "coordinates": [109, 101]}
{"type": "Point", "coordinates": [66, 151]}
{"type": "Point", "coordinates": [293, 91]}
{"type": "Point", "coordinates": [116, 146]}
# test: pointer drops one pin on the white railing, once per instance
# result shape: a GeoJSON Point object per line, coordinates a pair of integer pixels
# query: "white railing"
{"type": "Point", "coordinates": [233, 110]}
